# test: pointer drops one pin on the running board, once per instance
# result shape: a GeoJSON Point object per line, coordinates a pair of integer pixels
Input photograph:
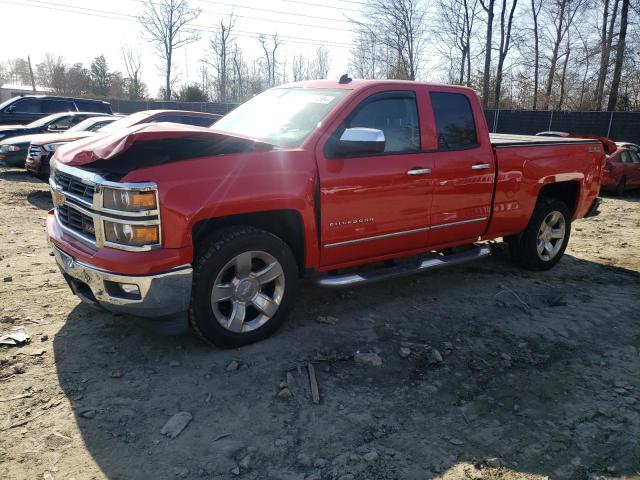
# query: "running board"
{"type": "Point", "coordinates": [385, 273]}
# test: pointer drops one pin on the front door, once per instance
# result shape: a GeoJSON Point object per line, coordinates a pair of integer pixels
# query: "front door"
{"type": "Point", "coordinates": [376, 205]}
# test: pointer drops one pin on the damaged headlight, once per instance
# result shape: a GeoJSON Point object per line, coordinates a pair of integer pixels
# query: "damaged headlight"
{"type": "Point", "coordinates": [129, 200]}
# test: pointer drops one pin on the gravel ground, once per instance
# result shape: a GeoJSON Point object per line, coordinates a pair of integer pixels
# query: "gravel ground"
{"type": "Point", "coordinates": [479, 371]}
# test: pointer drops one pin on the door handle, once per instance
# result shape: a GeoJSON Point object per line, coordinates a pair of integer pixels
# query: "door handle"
{"type": "Point", "coordinates": [419, 171]}
{"type": "Point", "coordinates": [480, 166]}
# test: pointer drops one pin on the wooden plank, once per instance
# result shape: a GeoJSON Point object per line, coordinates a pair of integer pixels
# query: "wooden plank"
{"type": "Point", "coordinates": [315, 394]}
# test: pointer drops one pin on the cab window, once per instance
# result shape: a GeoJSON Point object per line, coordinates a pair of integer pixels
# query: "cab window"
{"type": "Point", "coordinates": [625, 156]}
{"type": "Point", "coordinates": [396, 114]}
{"type": "Point", "coordinates": [455, 125]}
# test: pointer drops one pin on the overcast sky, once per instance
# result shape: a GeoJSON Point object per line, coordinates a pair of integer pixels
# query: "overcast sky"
{"type": "Point", "coordinates": [31, 27]}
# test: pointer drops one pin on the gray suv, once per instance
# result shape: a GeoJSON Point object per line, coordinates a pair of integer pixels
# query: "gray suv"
{"type": "Point", "coordinates": [21, 110]}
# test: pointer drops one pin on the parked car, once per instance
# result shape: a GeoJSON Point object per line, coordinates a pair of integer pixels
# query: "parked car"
{"type": "Point", "coordinates": [551, 133]}
{"type": "Point", "coordinates": [26, 109]}
{"type": "Point", "coordinates": [14, 140]}
{"type": "Point", "coordinates": [42, 149]}
{"type": "Point", "coordinates": [44, 144]}
{"type": "Point", "coordinates": [622, 170]}
{"type": "Point", "coordinates": [312, 179]}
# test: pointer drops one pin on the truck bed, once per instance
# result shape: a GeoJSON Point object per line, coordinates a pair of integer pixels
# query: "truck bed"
{"type": "Point", "coordinates": [499, 140]}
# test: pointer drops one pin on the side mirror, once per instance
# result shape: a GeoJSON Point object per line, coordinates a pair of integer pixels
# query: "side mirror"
{"type": "Point", "coordinates": [359, 141]}
{"type": "Point", "coordinates": [11, 109]}
{"type": "Point", "coordinates": [52, 128]}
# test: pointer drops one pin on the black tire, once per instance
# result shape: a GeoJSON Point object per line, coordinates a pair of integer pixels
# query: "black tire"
{"type": "Point", "coordinates": [220, 249]}
{"type": "Point", "coordinates": [621, 187]}
{"type": "Point", "coordinates": [524, 247]}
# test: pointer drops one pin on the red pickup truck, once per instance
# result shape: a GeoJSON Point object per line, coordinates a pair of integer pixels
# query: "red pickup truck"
{"type": "Point", "coordinates": [314, 179]}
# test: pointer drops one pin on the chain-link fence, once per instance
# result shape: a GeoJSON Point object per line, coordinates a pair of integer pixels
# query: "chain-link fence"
{"type": "Point", "coordinates": [132, 106]}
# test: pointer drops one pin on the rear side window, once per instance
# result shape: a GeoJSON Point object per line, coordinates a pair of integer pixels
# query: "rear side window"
{"type": "Point", "coordinates": [89, 106]}
{"type": "Point", "coordinates": [57, 106]}
{"type": "Point", "coordinates": [455, 125]}
{"type": "Point", "coordinates": [199, 121]}
{"type": "Point", "coordinates": [397, 117]}
{"type": "Point", "coordinates": [635, 158]}
{"type": "Point", "coordinates": [28, 105]}
{"type": "Point", "coordinates": [625, 156]}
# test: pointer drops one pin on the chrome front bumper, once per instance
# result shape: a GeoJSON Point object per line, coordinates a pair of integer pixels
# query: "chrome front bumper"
{"type": "Point", "coordinates": [161, 295]}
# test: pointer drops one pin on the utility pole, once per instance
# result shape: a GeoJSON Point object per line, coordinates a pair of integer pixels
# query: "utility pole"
{"type": "Point", "coordinates": [33, 80]}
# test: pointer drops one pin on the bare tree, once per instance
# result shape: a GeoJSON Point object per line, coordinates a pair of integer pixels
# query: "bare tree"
{"type": "Point", "coordinates": [164, 24]}
{"type": "Point", "coordinates": [298, 68]}
{"type": "Point", "coordinates": [488, 6]}
{"type": "Point", "coordinates": [505, 42]}
{"type": "Point", "coordinates": [455, 33]}
{"type": "Point", "coordinates": [364, 55]}
{"type": "Point", "coordinates": [398, 25]}
{"type": "Point", "coordinates": [536, 5]}
{"type": "Point", "coordinates": [222, 47]}
{"type": "Point", "coordinates": [562, 13]}
{"type": "Point", "coordinates": [319, 67]}
{"type": "Point", "coordinates": [617, 70]}
{"type": "Point", "coordinates": [606, 40]}
{"type": "Point", "coordinates": [270, 57]}
{"type": "Point", "coordinates": [133, 67]}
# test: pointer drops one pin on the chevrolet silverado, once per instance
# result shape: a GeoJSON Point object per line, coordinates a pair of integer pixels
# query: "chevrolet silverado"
{"type": "Point", "coordinates": [315, 179]}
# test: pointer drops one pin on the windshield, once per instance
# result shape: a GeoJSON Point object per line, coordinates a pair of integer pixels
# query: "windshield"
{"type": "Point", "coordinates": [87, 124]}
{"type": "Point", "coordinates": [125, 122]}
{"type": "Point", "coordinates": [281, 116]}
{"type": "Point", "coordinates": [45, 120]}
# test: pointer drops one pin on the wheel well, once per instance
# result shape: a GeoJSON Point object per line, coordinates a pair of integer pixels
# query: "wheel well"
{"type": "Point", "coordinates": [284, 224]}
{"type": "Point", "coordinates": [566, 192]}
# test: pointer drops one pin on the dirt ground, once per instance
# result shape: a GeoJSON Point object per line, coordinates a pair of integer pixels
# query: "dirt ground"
{"type": "Point", "coordinates": [503, 373]}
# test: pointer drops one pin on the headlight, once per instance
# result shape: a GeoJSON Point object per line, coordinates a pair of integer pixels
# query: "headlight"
{"type": "Point", "coordinates": [129, 234]}
{"type": "Point", "coordinates": [9, 148]}
{"type": "Point", "coordinates": [129, 200]}
{"type": "Point", "coordinates": [52, 147]}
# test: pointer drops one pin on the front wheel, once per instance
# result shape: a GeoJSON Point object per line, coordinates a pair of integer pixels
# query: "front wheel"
{"type": "Point", "coordinates": [545, 239]}
{"type": "Point", "coordinates": [244, 285]}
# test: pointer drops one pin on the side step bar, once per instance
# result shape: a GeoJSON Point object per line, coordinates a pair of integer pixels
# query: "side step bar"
{"type": "Point", "coordinates": [385, 273]}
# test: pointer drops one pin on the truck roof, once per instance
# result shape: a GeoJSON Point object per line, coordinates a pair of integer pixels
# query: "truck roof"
{"type": "Point", "coordinates": [358, 84]}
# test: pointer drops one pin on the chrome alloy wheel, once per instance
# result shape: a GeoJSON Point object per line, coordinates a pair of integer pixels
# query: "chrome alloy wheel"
{"type": "Point", "coordinates": [551, 236]}
{"type": "Point", "coordinates": [248, 291]}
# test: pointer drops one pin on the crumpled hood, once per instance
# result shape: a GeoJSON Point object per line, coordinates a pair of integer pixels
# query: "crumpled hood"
{"type": "Point", "coordinates": [104, 149]}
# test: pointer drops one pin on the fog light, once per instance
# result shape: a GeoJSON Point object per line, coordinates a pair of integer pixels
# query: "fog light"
{"type": "Point", "coordinates": [130, 288]}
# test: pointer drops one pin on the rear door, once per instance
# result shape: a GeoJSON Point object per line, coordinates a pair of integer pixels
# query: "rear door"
{"type": "Point", "coordinates": [463, 168]}
{"type": "Point", "coordinates": [376, 204]}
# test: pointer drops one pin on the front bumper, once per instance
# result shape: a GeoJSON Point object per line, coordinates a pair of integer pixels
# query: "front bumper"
{"type": "Point", "coordinates": [160, 295]}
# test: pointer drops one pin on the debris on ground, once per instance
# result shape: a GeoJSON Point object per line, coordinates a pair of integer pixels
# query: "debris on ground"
{"type": "Point", "coordinates": [313, 383]}
{"type": "Point", "coordinates": [371, 359]}
{"type": "Point", "coordinates": [233, 366]}
{"type": "Point", "coordinates": [327, 319]}
{"type": "Point", "coordinates": [176, 424]}
{"type": "Point", "coordinates": [15, 337]}
{"type": "Point", "coordinates": [435, 357]}
{"type": "Point", "coordinates": [19, 368]}
{"type": "Point", "coordinates": [404, 352]}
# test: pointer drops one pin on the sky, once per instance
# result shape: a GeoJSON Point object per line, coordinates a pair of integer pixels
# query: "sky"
{"type": "Point", "coordinates": [34, 27]}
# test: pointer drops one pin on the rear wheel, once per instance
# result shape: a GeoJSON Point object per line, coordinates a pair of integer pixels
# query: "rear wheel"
{"type": "Point", "coordinates": [545, 239]}
{"type": "Point", "coordinates": [244, 286]}
{"type": "Point", "coordinates": [621, 187]}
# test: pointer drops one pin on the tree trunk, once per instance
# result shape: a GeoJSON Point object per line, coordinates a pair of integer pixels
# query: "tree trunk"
{"type": "Point", "coordinates": [505, 38]}
{"type": "Point", "coordinates": [563, 77]}
{"type": "Point", "coordinates": [617, 70]}
{"type": "Point", "coordinates": [167, 91]}
{"type": "Point", "coordinates": [487, 55]}
{"type": "Point", "coordinates": [536, 59]}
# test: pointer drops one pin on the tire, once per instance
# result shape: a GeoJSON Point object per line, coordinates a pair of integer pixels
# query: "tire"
{"type": "Point", "coordinates": [525, 247]}
{"type": "Point", "coordinates": [621, 187]}
{"type": "Point", "coordinates": [229, 315]}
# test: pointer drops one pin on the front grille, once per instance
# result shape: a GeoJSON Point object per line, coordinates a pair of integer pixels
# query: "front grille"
{"type": "Point", "coordinates": [76, 221]}
{"type": "Point", "coordinates": [75, 186]}
{"type": "Point", "coordinates": [35, 151]}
